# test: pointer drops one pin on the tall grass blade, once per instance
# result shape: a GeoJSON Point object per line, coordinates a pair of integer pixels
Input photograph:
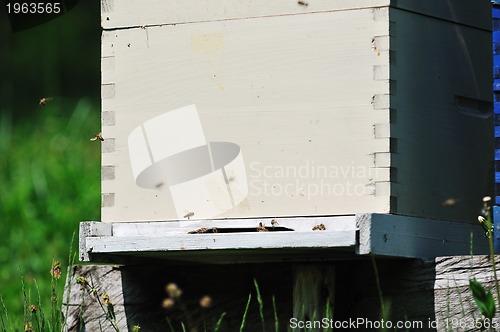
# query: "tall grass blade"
{"type": "Point", "coordinates": [39, 310]}
{"type": "Point", "coordinates": [384, 310]}
{"type": "Point", "coordinates": [328, 313]}
{"type": "Point", "coordinates": [261, 304]}
{"type": "Point", "coordinates": [379, 288]}
{"type": "Point", "coordinates": [25, 301]}
{"type": "Point", "coordinates": [6, 320]}
{"type": "Point", "coordinates": [170, 325]}
{"type": "Point", "coordinates": [276, 320]}
{"type": "Point", "coordinates": [244, 319]}
{"type": "Point", "coordinates": [71, 262]}
{"type": "Point", "coordinates": [81, 322]}
{"type": "Point", "coordinates": [54, 312]}
{"type": "Point", "coordinates": [219, 322]}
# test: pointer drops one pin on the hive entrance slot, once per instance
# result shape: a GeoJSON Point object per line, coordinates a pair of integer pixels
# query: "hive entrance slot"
{"type": "Point", "coordinates": [240, 230]}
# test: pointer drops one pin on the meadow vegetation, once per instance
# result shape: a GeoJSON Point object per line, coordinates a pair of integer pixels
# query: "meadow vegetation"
{"type": "Point", "coordinates": [49, 175]}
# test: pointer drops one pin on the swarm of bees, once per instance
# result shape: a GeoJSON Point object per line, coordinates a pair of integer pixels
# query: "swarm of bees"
{"type": "Point", "coordinates": [97, 137]}
{"type": "Point", "coordinates": [320, 227]}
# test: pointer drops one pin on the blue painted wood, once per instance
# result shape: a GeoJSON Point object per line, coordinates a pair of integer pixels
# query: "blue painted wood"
{"type": "Point", "coordinates": [496, 232]}
{"type": "Point", "coordinates": [495, 13]}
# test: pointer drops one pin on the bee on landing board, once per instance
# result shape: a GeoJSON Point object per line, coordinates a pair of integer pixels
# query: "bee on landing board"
{"type": "Point", "coordinates": [198, 231]}
{"type": "Point", "coordinates": [262, 228]}
{"type": "Point", "coordinates": [44, 101]}
{"type": "Point", "coordinates": [189, 215]}
{"type": "Point", "coordinates": [320, 227]}
{"type": "Point", "coordinates": [97, 137]}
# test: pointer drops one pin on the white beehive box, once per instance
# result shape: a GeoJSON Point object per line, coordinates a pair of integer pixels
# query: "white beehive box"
{"type": "Point", "coordinates": [237, 109]}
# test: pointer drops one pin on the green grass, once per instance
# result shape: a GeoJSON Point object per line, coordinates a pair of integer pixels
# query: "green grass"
{"type": "Point", "coordinates": [49, 174]}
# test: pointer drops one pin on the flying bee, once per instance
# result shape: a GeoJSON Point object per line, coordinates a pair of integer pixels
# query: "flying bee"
{"type": "Point", "coordinates": [189, 215]}
{"type": "Point", "coordinates": [97, 137]}
{"type": "Point", "coordinates": [449, 202]}
{"type": "Point", "coordinates": [44, 101]}
{"type": "Point", "coordinates": [303, 3]}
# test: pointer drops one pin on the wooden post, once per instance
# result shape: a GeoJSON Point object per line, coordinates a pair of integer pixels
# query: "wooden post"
{"type": "Point", "coordinates": [428, 295]}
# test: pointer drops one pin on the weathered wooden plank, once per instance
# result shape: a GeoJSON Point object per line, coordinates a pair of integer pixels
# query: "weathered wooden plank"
{"type": "Point", "coordinates": [81, 309]}
{"type": "Point", "coordinates": [137, 294]}
{"type": "Point", "coordinates": [429, 295]}
{"type": "Point", "coordinates": [118, 14]}
{"type": "Point", "coordinates": [88, 229]}
{"type": "Point", "coordinates": [453, 299]}
{"type": "Point", "coordinates": [379, 234]}
{"type": "Point", "coordinates": [193, 242]}
{"type": "Point", "coordinates": [402, 236]}
{"type": "Point", "coordinates": [237, 240]}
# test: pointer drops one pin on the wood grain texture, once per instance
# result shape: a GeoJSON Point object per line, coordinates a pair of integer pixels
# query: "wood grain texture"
{"type": "Point", "coordinates": [232, 241]}
{"type": "Point", "coordinates": [415, 291]}
{"type": "Point", "coordinates": [348, 236]}
{"type": "Point", "coordinates": [137, 294]}
{"type": "Point", "coordinates": [454, 303]}
{"type": "Point", "coordinates": [135, 14]}
{"type": "Point", "coordinates": [268, 240]}
{"type": "Point", "coordinates": [273, 86]}
{"type": "Point", "coordinates": [116, 14]}
{"type": "Point", "coordinates": [81, 308]}
{"type": "Point", "coordinates": [402, 236]}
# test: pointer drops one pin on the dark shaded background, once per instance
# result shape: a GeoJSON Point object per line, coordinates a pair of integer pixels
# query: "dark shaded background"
{"type": "Point", "coordinates": [57, 58]}
{"type": "Point", "coordinates": [49, 169]}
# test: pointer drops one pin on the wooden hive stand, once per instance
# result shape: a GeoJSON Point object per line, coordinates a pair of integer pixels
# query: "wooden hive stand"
{"type": "Point", "coordinates": [327, 157]}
